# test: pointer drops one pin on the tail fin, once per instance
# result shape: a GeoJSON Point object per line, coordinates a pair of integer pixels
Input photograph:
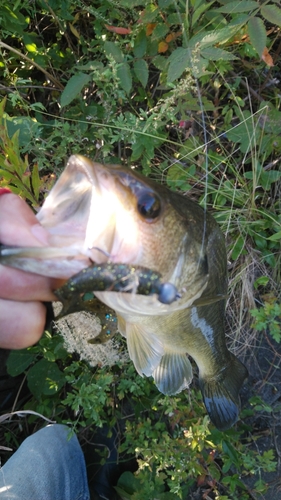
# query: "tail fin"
{"type": "Point", "coordinates": [221, 394]}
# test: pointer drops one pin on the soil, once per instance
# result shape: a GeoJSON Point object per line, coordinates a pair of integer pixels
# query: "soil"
{"type": "Point", "coordinates": [263, 362]}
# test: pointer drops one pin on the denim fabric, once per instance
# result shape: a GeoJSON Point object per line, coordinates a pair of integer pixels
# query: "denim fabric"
{"type": "Point", "coordinates": [47, 466]}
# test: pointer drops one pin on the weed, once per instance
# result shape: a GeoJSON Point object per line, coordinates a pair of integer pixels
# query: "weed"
{"type": "Point", "coordinates": [188, 94]}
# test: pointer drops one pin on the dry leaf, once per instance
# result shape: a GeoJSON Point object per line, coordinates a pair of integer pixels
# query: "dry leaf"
{"type": "Point", "coordinates": [149, 28]}
{"type": "Point", "coordinates": [201, 480]}
{"type": "Point", "coordinates": [119, 31]}
{"type": "Point", "coordinates": [74, 31]}
{"type": "Point", "coordinates": [163, 47]}
{"type": "Point", "coordinates": [172, 36]}
{"type": "Point", "coordinates": [266, 57]}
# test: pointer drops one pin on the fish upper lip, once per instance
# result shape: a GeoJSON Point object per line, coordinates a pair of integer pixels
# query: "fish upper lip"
{"type": "Point", "coordinates": [106, 183]}
{"type": "Point", "coordinates": [86, 165]}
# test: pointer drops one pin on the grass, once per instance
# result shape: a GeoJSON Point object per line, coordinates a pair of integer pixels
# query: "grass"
{"type": "Point", "coordinates": [209, 129]}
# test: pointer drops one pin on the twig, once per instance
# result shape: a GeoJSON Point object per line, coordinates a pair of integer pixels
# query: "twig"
{"type": "Point", "coordinates": [23, 56]}
{"type": "Point", "coordinates": [22, 413]}
{"type": "Point", "coordinates": [4, 448]}
{"type": "Point", "coordinates": [18, 393]}
{"type": "Point", "coordinates": [252, 91]}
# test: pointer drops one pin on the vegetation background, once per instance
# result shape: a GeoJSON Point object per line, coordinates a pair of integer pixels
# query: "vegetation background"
{"type": "Point", "coordinates": [189, 93]}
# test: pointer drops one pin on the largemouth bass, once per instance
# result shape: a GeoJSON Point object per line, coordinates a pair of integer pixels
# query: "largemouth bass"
{"type": "Point", "coordinates": [107, 213]}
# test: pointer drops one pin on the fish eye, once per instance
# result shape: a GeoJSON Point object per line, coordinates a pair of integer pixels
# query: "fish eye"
{"type": "Point", "coordinates": [149, 205]}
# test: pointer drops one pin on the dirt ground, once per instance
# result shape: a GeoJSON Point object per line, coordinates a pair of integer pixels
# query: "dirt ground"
{"type": "Point", "coordinates": [263, 362]}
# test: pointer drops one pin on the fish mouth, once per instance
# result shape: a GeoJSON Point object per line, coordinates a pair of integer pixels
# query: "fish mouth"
{"type": "Point", "coordinates": [69, 212]}
{"type": "Point", "coordinates": [86, 222]}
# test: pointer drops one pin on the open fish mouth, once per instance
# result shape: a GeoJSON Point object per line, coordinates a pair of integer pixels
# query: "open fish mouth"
{"type": "Point", "coordinates": [80, 214]}
{"type": "Point", "coordinates": [81, 210]}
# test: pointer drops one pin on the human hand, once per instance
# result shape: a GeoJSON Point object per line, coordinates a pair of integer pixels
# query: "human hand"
{"type": "Point", "coordinates": [22, 314]}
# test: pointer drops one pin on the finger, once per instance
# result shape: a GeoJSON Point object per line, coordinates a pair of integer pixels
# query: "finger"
{"type": "Point", "coordinates": [18, 224]}
{"type": "Point", "coordinates": [22, 323]}
{"type": "Point", "coordinates": [19, 285]}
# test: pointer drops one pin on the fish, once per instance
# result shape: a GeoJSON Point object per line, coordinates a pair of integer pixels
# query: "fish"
{"type": "Point", "coordinates": [104, 214]}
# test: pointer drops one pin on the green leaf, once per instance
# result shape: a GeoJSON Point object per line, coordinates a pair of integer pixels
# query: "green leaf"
{"type": "Point", "coordinates": [140, 44]}
{"type": "Point", "coordinates": [163, 4]}
{"type": "Point", "coordinates": [238, 247]}
{"type": "Point", "coordinates": [257, 34]}
{"type": "Point", "coordinates": [141, 71]}
{"type": "Point", "coordinates": [73, 88]}
{"type": "Point", "coordinates": [137, 150]}
{"type": "Point", "coordinates": [159, 32]}
{"type": "Point", "coordinates": [24, 125]}
{"type": "Point", "coordinates": [179, 61]}
{"type": "Point", "coordinates": [199, 11]}
{"type": "Point", "coordinates": [91, 66]}
{"type": "Point", "coordinates": [19, 360]}
{"type": "Point", "coordinates": [12, 20]}
{"type": "Point", "coordinates": [272, 176]}
{"type": "Point", "coordinates": [262, 280]}
{"type": "Point", "coordinates": [113, 50]}
{"type": "Point", "coordinates": [128, 483]}
{"type": "Point", "coordinates": [35, 180]}
{"type": "Point", "coordinates": [125, 76]}
{"type": "Point", "coordinates": [214, 54]}
{"type": "Point", "coordinates": [131, 3]}
{"type": "Point", "coordinates": [236, 7]}
{"type": "Point", "coordinates": [160, 62]}
{"type": "Point", "coordinates": [45, 378]}
{"type": "Point", "coordinates": [272, 13]}
{"type": "Point", "coordinates": [207, 39]}
{"type": "Point", "coordinates": [245, 133]}
{"type": "Point", "coordinates": [275, 237]}
{"type": "Point", "coordinates": [230, 451]}
{"type": "Point", "coordinates": [150, 13]}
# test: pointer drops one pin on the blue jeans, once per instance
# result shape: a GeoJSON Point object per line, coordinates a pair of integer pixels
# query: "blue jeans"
{"type": "Point", "coordinates": [47, 466]}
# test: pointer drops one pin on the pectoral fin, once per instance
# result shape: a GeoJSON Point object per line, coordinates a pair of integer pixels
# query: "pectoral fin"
{"type": "Point", "coordinates": [173, 374]}
{"type": "Point", "coordinates": [221, 394]}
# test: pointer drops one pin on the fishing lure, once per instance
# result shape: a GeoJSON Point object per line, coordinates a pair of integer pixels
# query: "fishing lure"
{"type": "Point", "coordinates": [77, 293]}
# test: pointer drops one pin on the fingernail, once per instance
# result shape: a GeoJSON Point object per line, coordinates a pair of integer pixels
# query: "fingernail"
{"type": "Point", "coordinates": [4, 191]}
{"type": "Point", "coordinates": [40, 234]}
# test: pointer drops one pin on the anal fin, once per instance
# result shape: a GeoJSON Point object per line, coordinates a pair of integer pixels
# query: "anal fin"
{"type": "Point", "coordinates": [173, 374]}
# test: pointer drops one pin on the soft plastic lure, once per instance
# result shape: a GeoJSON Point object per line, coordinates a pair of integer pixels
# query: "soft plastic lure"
{"type": "Point", "coordinates": [114, 278]}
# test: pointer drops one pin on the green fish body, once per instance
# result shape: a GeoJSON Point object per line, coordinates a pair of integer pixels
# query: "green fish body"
{"type": "Point", "coordinates": [97, 213]}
